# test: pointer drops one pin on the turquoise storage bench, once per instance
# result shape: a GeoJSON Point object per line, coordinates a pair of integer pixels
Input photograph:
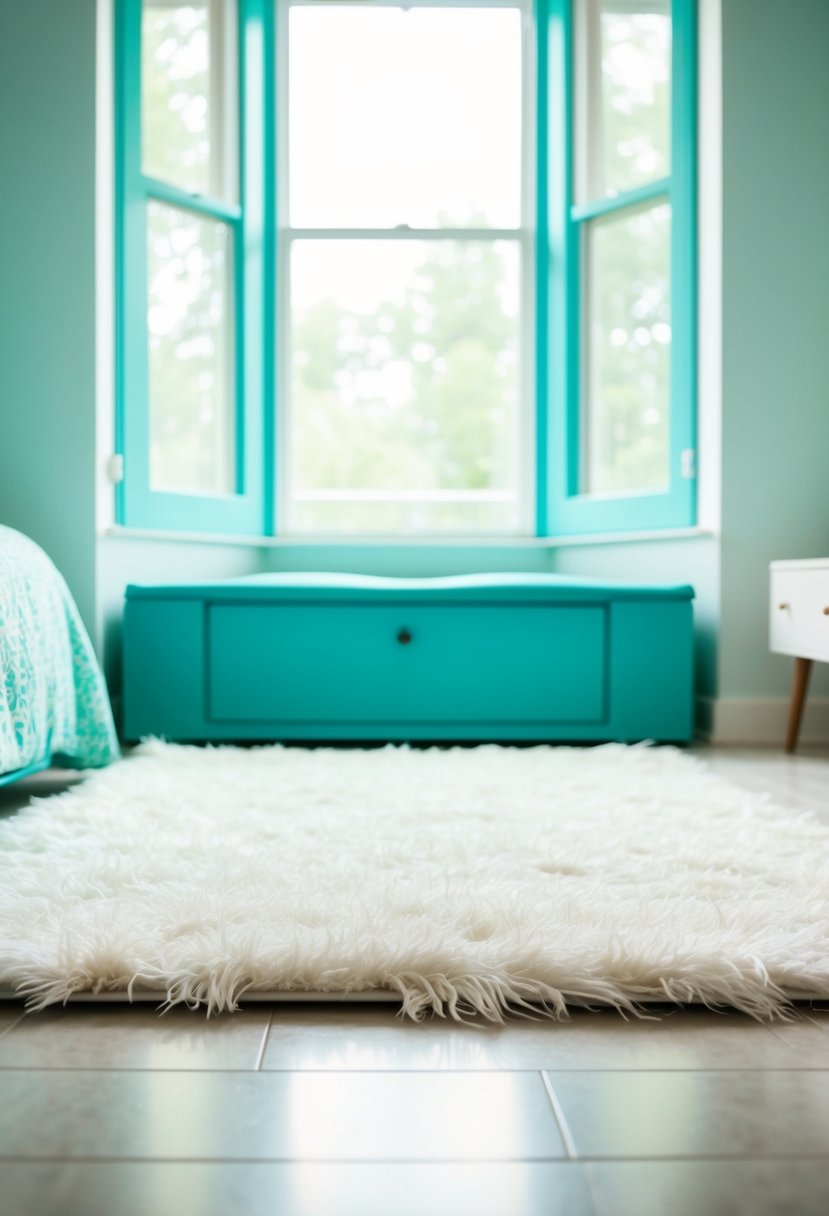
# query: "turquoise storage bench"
{"type": "Point", "coordinates": [474, 657]}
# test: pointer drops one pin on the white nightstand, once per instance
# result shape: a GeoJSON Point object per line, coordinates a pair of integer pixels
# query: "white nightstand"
{"type": "Point", "coordinates": [799, 625]}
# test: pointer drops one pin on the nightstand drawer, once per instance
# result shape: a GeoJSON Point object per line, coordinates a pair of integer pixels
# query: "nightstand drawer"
{"type": "Point", "coordinates": [799, 616]}
{"type": "Point", "coordinates": [406, 663]}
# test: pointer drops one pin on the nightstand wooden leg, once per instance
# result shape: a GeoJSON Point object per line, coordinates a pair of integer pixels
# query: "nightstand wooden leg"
{"type": "Point", "coordinates": [800, 682]}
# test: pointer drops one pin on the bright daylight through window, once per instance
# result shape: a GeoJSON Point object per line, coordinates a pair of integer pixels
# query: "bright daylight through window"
{"type": "Point", "coordinates": [623, 112]}
{"type": "Point", "coordinates": [406, 270]}
{"type": "Point", "coordinates": [189, 122]}
{"type": "Point", "coordinates": [403, 249]}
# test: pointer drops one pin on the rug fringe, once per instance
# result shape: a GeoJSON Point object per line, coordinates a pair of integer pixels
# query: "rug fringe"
{"type": "Point", "coordinates": [464, 999]}
{"type": "Point", "coordinates": [491, 996]}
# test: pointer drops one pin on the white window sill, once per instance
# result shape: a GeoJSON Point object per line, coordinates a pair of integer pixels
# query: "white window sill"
{"type": "Point", "coordinates": [310, 543]}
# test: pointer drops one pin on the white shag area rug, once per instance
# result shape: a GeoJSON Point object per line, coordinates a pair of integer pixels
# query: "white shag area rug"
{"type": "Point", "coordinates": [468, 881]}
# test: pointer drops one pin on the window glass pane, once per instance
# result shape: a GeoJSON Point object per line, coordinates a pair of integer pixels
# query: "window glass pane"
{"type": "Point", "coordinates": [189, 276]}
{"type": "Point", "coordinates": [404, 386]}
{"type": "Point", "coordinates": [628, 340]}
{"type": "Point", "coordinates": [404, 117]}
{"type": "Point", "coordinates": [623, 95]}
{"type": "Point", "coordinates": [188, 95]}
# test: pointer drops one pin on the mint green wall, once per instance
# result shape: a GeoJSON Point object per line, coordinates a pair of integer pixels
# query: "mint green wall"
{"type": "Point", "coordinates": [47, 296]}
{"type": "Point", "coordinates": [775, 318]}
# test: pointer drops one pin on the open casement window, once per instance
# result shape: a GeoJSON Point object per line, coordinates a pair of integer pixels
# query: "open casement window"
{"type": "Point", "coordinates": [191, 227]}
{"type": "Point", "coordinates": [620, 265]}
{"type": "Point", "coordinates": [468, 309]}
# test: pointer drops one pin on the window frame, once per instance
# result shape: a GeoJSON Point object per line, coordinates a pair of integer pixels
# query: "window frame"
{"type": "Point", "coordinates": [552, 321]}
{"type": "Point", "coordinates": [568, 511]}
{"type": "Point", "coordinates": [137, 503]}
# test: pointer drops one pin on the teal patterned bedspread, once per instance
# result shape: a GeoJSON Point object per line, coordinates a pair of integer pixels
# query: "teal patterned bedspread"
{"type": "Point", "coordinates": [53, 699]}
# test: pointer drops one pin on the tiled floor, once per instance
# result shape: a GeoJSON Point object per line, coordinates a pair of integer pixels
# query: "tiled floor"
{"type": "Point", "coordinates": [302, 1110]}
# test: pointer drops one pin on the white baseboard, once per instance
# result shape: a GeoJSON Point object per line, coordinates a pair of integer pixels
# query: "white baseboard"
{"type": "Point", "coordinates": [732, 720]}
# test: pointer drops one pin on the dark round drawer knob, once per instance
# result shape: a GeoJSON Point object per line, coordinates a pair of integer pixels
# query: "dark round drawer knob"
{"type": "Point", "coordinates": [404, 636]}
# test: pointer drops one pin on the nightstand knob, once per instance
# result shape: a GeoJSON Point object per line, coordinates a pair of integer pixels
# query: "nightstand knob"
{"type": "Point", "coordinates": [826, 610]}
{"type": "Point", "coordinates": [782, 607]}
{"type": "Point", "coordinates": [404, 636]}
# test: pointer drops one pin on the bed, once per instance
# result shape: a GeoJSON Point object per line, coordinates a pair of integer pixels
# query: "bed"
{"type": "Point", "coordinates": [54, 706]}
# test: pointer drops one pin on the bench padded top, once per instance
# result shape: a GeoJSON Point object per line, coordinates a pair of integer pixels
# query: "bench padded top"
{"type": "Point", "coordinates": [489, 588]}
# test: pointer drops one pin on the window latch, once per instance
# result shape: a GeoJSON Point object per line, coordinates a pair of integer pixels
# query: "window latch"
{"type": "Point", "coordinates": [115, 468]}
{"type": "Point", "coordinates": [688, 464]}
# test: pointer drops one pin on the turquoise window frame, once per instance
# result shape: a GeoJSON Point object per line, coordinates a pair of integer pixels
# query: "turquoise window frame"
{"type": "Point", "coordinates": [137, 503]}
{"type": "Point", "coordinates": [564, 510]}
{"type": "Point", "coordinates": [561, 510]}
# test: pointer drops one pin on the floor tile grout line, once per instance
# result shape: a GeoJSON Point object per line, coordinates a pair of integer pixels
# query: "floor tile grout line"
{"type": "Point", "coordinates": [264, 1044]}
{"type": "Point", "coordinates": [777, 1029]}
{"type": "Point", "coordinates": [276, 1160]}
{"type": "Point", "coordinates": [548, 1159]}
{"type": "Point", "coordinates": [496, 1069]}
{"type": "Point", "coordinates": [772, 1029]}
{"type": "Point", "coordinates": [558, 1114]}
{"type": "Point", "coordinates": [594, 1190]}
{"type": "Point", "coordinates": [713, 1158]}
{"type": "Point", "coordinates": [307, 1072]}
{"type": "Point", "coordinates": [814, 1021]}
{"type": "Point", "coordinates": [209, 1069]}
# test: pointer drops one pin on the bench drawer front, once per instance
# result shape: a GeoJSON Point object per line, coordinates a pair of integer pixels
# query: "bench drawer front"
{"type": "Point", "coordinates": [346, 663]}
